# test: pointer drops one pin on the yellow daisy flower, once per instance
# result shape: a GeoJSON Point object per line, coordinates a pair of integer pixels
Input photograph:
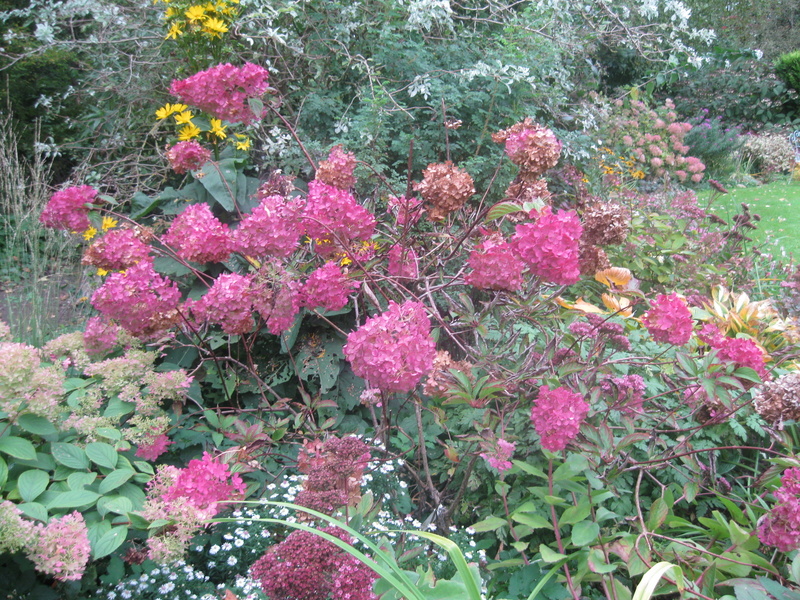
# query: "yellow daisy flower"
{"type": "Point", "coordinates": [215, 27]}
{"type": "Point", "coordinates": [89, 233]}
{"type": "Point", "coordinates": [184, 118]}
{"type": "Point", "coordinates": [102, 272]}
{"type": "Point", "coordinates": [243, 143]}
{"type": "Point", "coordinates": [109, 223]}
{"type": "Point", "coordinates": [195, 14]}
{"type": "Point", "coordinates": [218, 129]}
{"type": "Point", "coordinates": [174, 31]}
{"type": "Point", "coordinates": [188, 132]}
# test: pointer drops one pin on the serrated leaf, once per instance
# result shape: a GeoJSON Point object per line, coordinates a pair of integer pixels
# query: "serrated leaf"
{"type": "Point", "coordinates": [34, 510]}
{"type": "Point", "coordinates": [102, 454]}
{"type": "Point", "coordinates": [115, 479]}
{"type": "Point", "coordinates": [109, 541]}
{"type": "Point", "coordinates": [73, 499]}
{"type": "Point", "coordinates": [119, 505]}
{"type": "Point", "coordinates": [3, 472]}
{"type": "Point", "coordinates": [70, 455]}
{"type": "Point", "coordinates": [501, 209]}
{"type": "Point", "coordinates": [36, 424]}
{"type": "Point", "coordinates": [17, 447]}
{"type": "Point", "coordinates": [532, 520]}
{"type": "Point", "coordinates": [32, 483]}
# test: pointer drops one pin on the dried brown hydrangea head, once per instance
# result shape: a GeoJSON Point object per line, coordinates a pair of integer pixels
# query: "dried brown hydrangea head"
{"type": "Point", "coordinates": [524, 190]}
{"type": "Point", "coordinates": [606, 223]}
{"type": "Point", "coordinates": [278, 184]}
{"type": "Point", "coordinates": [779, 400]}
{"type": "Point", "coordinates": [445, 188]}
{"type": "Point", "coordinates": [338, 169]}
{"type": "Point", "coordinates": [531, 146]}
{"type": "Point", "coordinates": [440, 380]}
{"type": "Point", "coordinates": [592, 259]}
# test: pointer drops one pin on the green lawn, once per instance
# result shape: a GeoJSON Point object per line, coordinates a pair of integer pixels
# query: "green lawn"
{"type": "Point", "coordinates": [777, 203]}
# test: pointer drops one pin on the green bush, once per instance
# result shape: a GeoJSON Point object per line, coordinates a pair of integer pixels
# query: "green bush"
{"type": "Point", "coordinates": [788, 69]}
{"type": "Point", "coordinates": [715, 143]}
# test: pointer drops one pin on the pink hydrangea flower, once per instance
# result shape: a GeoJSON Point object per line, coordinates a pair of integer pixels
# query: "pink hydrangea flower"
{"type": "Point", "coordinates": [334, 218]}
{"type": "Point", "coordinates": [61, 548]}
{"type": "Point", "coordinates": [223, 91]}
{"type": "Point", "coordinates": [745, 352]}
{"type": "Point", "coordinates": [550, 246]}
{"type": "Point", "coordinates": [67, 209]}
{"type": "Point", "coordinates": [557, 416]}
{"type": "Point", "coordinates": [328, 288]}
{"type": "Point", "coordinates": [204, 484]}
{"type": "Point", "coordinates": [154, 447]}
{"type": "Point", "coordinates": [287, 301]}
{"type": "Point", "coordinates": [499, 454]}
{"type": "Point", "coordinates": [117, 250]}
{"type": "Point", "coordinates": [187, 156]}
{"type": "Point", "coordinates": [272, 229]}
{"type": "Point", "coordinates": [393, 350]}
{"type": "Point", "coordinates": [669, 320]}
{"type": "Point", "coordinates": [403, 262]}
{"type": "Point", "coordinates": [229, 303]}
{"type": "Point", "coordinates": [494, 265]}
{"type": "Point", "coordinates": [26, 386]}
{"type": "Point", "coordinates": [141, 300]}
{"type": "Point", "coordinates": [338, 169]}
{"type": "Point", "coordinates": [407, 210]}
{"type": "Point", "coordinates": [100, 336]}
{"type": "Point", "coordinates": [197, 235]}
{"type": "Point", "coordinates": [781, 527]}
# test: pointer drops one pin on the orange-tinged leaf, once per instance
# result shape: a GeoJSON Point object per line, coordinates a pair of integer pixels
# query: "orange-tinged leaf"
{"type": "Point", "coordinates": [581, 305]}
{"type": "Point", "coordinates": [618, 304]}
{"type": "Point", "coordinates": [618, 277]}
{"type": "Point", "coordinates": [229, 595]}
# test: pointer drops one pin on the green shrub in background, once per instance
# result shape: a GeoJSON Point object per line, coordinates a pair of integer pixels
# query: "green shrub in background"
{"type": "Point", "coordinates": [714, 142]}
{"type": "Point", "coordinates": [788, 69]}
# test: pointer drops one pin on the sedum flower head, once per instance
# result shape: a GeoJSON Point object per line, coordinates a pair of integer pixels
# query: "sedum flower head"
{"type": "Point", "coordinates": [68, 209]}
{"type": "Point", "coordinates": [393, 350]}
{"type": "Point", "coordinates": [557, 416]}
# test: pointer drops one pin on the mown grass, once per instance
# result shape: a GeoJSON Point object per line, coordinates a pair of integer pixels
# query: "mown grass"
{"type": "Point", "coordinates": [778, 205]}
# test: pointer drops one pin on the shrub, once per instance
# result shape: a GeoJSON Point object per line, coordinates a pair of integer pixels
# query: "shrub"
{"type": "Point", "coordinates": [714, 143]}
{"type": "Point", "coordinates": [768, 153]}
{"type": "Point", "coordinates": [788, 69]}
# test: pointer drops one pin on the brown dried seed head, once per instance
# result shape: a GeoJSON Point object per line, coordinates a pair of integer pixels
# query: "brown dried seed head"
{"type": "Point", "coordinates": [445, 187]}
{"type": "Point", "coordinates": [605, 223]}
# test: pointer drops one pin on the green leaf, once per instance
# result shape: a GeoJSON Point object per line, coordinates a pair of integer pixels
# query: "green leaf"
{"type": "Point", "coordinates": [36, 424]}
{"type": "Point", "coordinates": [647, 586]}
{"type": "Point", "coordinates": [489, 524]}
{"type": "Point", "coordinates": [3, 472]}
{"type": "Point", "coordinates": [17, 447]}
{"type": "Point", "coordinates": [109, 433]}
{"type": "Point", "coordinates": [550, 556]}
{"type": "Point", "coordinates": [80, 479]}
{"type": "Point", "coordinates": [115, 479]}
{"type": "Point", "coordinates": [32, 483]}
{"type": "Point", "coordinates": [119, 505]}
{"type": "Point", "coordinates": [501, 209]}
{"type": "Point", "coordinates": [70, 455]}
{"type": "Point", "coordinates": [584, 533]}
{"type": "Point", "coordinates": [658, 514]}
{"type": "Point", "coordinates": [221, 182]}
{"type": "Point", "coordinates": [575, 514]}
{"type": "Point", "coordinates": [531, 520]}
{"type": "Point", "coordinates": [73, 499]}
{"type": "Point", "coordinates": [109, 541]}
{"type": "Point", "coordinates": [102, 454]}
{"type": "Point", "coordinates": [34, 510]}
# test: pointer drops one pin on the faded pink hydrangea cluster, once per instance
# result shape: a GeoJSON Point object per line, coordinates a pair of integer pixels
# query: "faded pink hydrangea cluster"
{"type": "Point", "coordinates": [533, 147]}
{"type": "Point", "coordinates": [25, 385]}
{"type": "Point", "coordinates": [140, 300]}
{"type": "Point", "coordinates": [744, 352]}
{"type": "Point", "coordinates": [272, 229]}
{"type": "Point", "coordinates": [627, 392]}
{"type": "Point", "coordinates": [100, 336]}
{"type": "Point", "coordinates": [187, 156]}
{"type": "Point", "coordinates": [328, 288]}
{"type": "Point", "coordinates": [307, 567]}
{"type": "Point", "coordinates": [550, 246]}
{"type": "Point", "coordinates": [407, 210]}
{"type": "Point", "coordinates": [278, 304]}
{"type": "Point", "coordinates": [334, 219]}
{"type": "Point", "coordinates": [338, 169]}
{"type": "Point", "coordinates": [67, 208]}
{"type": "Point", "coordinates": [557, 416]}
{"type": "Point", "coordinates": [61, 547]}
{"type": "Point", "coordinates": [197, 235]}
{"type": "Point", "coordinates": [402, 262]}
{"type": "Point", "coordinates": [152, 448]}
{"type": "Point", "coordinates": [223, 91]}
{"type": "Point", "coordinates": [117, 250]}
{"type": "Point", "coordinates": [780, 528]}
{"type": "Point", "coordinates": [393, 350]}
{"type": "Point", "coordinates": [227, 303]}
{"type": "Point", "coordinates": [669, 320]}
{"type": "Point", "coordinates": [499, 454]}
{"type": "Point", "coordinates": [495, 265]}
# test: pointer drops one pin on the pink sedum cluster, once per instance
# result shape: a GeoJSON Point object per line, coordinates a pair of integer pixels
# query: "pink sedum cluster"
{"type": "Point", "coordinates": [495, 266]}
{"type": "Point", "coordinates": [393, 350]}
{"type": "Point", "coordinates": [327, 288]}
{"type": "Point", "coordinates": [204, 484]}
{"type": "Point", "coordinates": [557, 416]}
{"type": "Point", "coordinates": [669, 320]}
{"type": "Point", "coordinates": [550, 246]}
{"type": "Point", "coordinates": [781, 527]}
{"type": "Point", "coordinates": [141, 300]}
{"type": "Point", "coordinates": [334, 218]}
{"type": "Point", "coordinates": [67, 209]}
{"type": "Point", "coordinates": [197, 235]}
{"type": "Point", "coordinates": [223, 91]}
{"type": "Point", "coordinates": [272, 229]}
{"type": "Point", "coordinates": [61, 548]}
{"type": "Point", "coordinates": [187, 156]}
{"type": "Point", "coordinates": [228, 303]}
